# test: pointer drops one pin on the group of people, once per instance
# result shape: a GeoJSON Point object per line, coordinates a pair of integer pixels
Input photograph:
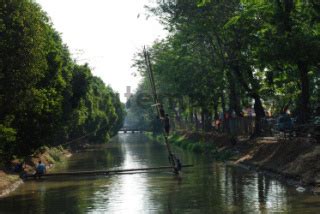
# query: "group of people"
{"type": "Point", "coordinates": [40, 170]}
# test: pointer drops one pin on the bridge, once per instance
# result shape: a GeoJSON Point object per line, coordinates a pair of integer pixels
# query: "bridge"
{"type": "Point", "coordinates": [133, 130]}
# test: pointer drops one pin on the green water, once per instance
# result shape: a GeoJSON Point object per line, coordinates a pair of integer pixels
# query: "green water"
{"type": "Point", "coordinates": [207, 188]}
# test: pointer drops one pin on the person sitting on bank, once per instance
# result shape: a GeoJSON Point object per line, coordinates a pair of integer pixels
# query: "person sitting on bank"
{"type": "Point", "coordinates": [167, 124]}
{"type": "Point", "coordinates": [18, 167]}
{"type": "Point", "coordinates": [40, 170]}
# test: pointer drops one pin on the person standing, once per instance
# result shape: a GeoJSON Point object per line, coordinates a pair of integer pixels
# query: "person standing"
{"type": "Point", "coordinates": [161, 111]}
{"type": "Point", "coordinates": [167, 124]}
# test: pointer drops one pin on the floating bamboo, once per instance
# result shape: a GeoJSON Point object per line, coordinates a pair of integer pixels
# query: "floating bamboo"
{"type": "Point", "coordinates": [103, 172]}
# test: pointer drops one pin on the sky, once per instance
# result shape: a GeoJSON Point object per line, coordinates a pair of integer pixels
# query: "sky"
{"type": "Point", "coordinates": [106, 34]}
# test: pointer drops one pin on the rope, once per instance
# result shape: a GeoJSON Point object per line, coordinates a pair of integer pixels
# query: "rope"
{"type": "Point", "coordinates": [82, 137]}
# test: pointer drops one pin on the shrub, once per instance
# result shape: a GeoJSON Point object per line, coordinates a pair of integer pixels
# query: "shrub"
{"type": "Point", "coordinates": [190, 146]}
{"type": "Point", "coordinates": [184, 145]}
{"type": "Point", "coordinates": [197, 148]}
{"type": "Point", "coordinates": [55, 154]}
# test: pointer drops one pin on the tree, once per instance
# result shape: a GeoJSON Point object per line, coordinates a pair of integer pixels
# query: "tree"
{"type": "Point", "coordinates": [45, 97]}
{"type": "Point", "coordinates": [222, 55]}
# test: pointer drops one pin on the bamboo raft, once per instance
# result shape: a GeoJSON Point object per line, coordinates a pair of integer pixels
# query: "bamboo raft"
{"type": "Point", "coordinates": [103, 172]}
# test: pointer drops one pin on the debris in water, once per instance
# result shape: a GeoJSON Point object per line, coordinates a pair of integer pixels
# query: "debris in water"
{"type": "Point", "coordinates": [301, 189]}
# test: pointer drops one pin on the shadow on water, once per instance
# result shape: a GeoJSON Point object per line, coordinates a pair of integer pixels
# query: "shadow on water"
{"type": "Point", "coordinates": [209, 187]}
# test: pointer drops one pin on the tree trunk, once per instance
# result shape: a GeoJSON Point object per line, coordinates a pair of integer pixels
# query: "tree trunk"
{"type": "Point", "coordinates": [215, 109]}
{"type": "Point", "coordinates": [252, 92]}
{"type": "Point", "coordinates": [304, 108]}
{"type": "Point", "coordinates": [234, 98]}
{"type": "Point", "coordinates": [196, 120]}
{"type": "Point", "coordinates": [191, 119]}
{"type": "Point", "coordinates": [202, 121]}
{"type": "Point", "coordinates": [223, 102]}
{"type": "Point", "coordinates": [207, 120]}
{"type": "Point", "coordinates": [259, 110]}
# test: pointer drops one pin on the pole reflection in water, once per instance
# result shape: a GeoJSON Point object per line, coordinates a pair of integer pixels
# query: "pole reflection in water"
{"type": "Point", "coordinates": [209, 187]}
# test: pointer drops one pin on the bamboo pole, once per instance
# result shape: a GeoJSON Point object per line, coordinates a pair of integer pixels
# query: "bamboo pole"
{"type": "Point", "coordinates": [103, 172]}
{"type": "Point", "coordinates": [157, 105]}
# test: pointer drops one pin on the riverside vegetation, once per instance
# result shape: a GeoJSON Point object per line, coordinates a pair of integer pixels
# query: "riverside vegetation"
{"type": "Point", "coordinates": [46, 98]}
{"type": "Point", "coordinates": [226, 56]}
{"type": "Point", "coordinates": [223, 57]}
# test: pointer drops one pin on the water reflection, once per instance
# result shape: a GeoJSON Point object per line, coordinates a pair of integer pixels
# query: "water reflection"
{"type": "Point", "coordinates": [127, 193]}
{"type": "Point", "coordinates": [207, 188]}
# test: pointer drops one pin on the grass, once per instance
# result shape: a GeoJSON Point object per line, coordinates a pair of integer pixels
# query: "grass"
{"type": "Point", "coordinates": [198, 147]}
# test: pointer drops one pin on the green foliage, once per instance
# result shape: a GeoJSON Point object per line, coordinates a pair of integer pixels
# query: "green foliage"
{"type": "Point", "coordinates": [7, 139]}
{"type": "Point", "coordinates": [225, 56]}
{"type": "Point", "coordinates": [56, 154]}
{"type": "Point", "coordinates": [189, 145]}
{"type": "Point", "coordinates": [200, 147]}
{"type": "Point", "coordinates": [45, 97]}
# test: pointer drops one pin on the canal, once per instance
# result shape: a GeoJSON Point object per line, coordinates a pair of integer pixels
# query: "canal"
{"type": "Point", "coordinates": [209, 187]}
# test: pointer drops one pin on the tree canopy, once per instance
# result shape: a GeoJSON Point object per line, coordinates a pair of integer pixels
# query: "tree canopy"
{"type": "Point", "coordinates": [225, 56]}
{"type": "Point", "coordinates": [46, 98]}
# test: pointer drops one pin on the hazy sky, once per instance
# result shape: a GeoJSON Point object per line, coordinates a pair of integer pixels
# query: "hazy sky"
{"type": "Point", "coordinates": [106, 34]}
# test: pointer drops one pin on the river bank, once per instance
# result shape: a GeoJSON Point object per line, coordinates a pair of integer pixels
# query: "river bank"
{"type": "Point", "coordinates": [10, 180]}
{"type": "Point", "coordinates": [296, 161]}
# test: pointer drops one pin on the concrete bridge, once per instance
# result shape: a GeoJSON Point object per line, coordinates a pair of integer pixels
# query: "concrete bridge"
{"type": "Point", "coordinates": [132, 130]}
